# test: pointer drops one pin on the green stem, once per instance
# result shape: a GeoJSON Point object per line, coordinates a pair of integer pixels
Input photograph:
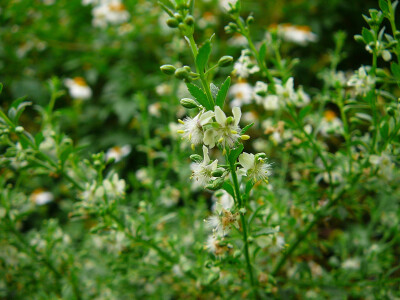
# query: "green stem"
{"type": "Point", "coordinates": [346, 129]}
{"type": "Point", "coordinates": [243, 220]}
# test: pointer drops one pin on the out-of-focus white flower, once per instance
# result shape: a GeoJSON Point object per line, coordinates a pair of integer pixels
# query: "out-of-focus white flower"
{"type": "Point", "coordinates": [109, 12]}
{"type": "Point", "coordinates": [361, 81]}
{"type": "Point", "coordinates": [237, 40]}
{"type": "Point", "coordinates": [117, 153]}
{"type": "Point", "coordinates": [351, 264]}
{"type": "Point", "coordinates": [221, 222]}
{"type": "Point", "coordinates": [115, 187]}
{"type": "Point", "coordinates": [125, 28]}
{"type": "Point", "coordinates": [385, 164]}
{"type": "Point", "coordinates": [244, 66]}
{"type": "Point", "coordinates": [163, 89]}
{"type": "Point", "coordinates": [255, 167]}
{"type": "Point", "coordinates": [142, 175]}
{"type": "Point", "coordinates": [215, 245]}
{"type": "Point", "coordinates": [226, 4]}
{"type": "Point", "coordinates": [78, 88]}
{"type": "Point", "coordinates": [223, 200]}
{"type": "Point", "coordinates": [207, 19]}
{"type": "Point", "coordinates": [300, 35]}
{"type": "Point", "coordinates": [41, 197]}
{"type": "Point", "coordinates": [155, 109]}
{"type": "Point", "coordinates": [330, 124]}
{"type": "Point", "coordinates": [241, 93]}
{"type": "Point", "coordinates": [202, 172]}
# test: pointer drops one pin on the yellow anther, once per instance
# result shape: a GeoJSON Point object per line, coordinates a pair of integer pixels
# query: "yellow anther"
{"type": "Point", "coordinates": [244, 137]}
{"type": "Point", "coordinates": [192, 147]}
{"type": "Point", "coordinates": [233, 131]}
{"type": "Point", "coordinates": [180, 131]}
{"type": "Point", "coordinates": [221, 140]}
{"type": "Point", "coordinates": [180, 121]}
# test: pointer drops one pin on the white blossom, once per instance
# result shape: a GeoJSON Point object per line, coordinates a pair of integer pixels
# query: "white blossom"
{"type": "Point", "coordinates": [78, 88]}
{"type": "Point", "coordinates": [255, 168]}
{"type": "Point", "coordinates": [202, 172]}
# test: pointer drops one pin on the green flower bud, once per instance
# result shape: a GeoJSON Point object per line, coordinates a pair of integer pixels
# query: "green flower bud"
{"type": "Point", "coordinates": [196, 158]}
{"type": "Point", "coordinates": [386, 55]}
{"type": "Point", "coordinates": [187, 68]}
{"type": "Point", "coordinates": [189, 20]}
{"type": "Point", "coordinates": [390, 111]}
{"type": "Point", "coordinates": [19, 129]}
{"type": "Point", "coordinates": [173, 23]}
{"type": "Point", "coordinates": [359, 38]}
{"type": "Point", "coordinates": [181, 73]}
{"type": "Point", "coordinates": [260, 156]}
{"type": "Point", "coordinates": [229, 120]}
{"type": "Point", "coordinates": [178, 17]}
{"type": "Point", "coordinates": [250, 20]}
{"type": "Point", "coordinates": [216, 184]}
{"type": "Point", "coordinates": [168, 69]}
{"type": "Point", "coordinates": [189, 103]}
{"type": "Point", "coordinates": [218, 173]}
{"type": "Point", "coordinates": [225, 61]}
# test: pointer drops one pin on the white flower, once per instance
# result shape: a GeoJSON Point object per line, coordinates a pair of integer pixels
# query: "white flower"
{"type": "Point", "coordinates": [213, 245]}
{"type": "Point", "coordinates": [115, 187]}
{"type": "Point", "coordinates": [41, 197]}
{"type": "Point", "coordinates": [271, 102]}
{"type": "Point", "coordinates": [155, 109]}
{"type": "Point", "coordinates": [226, 4]}
{"type": "Point", "coordinates": [192, 128]}
{"type": "Point", "coordinates": [255, 168]}
{"type": "Point", "coordinates": [202, 172]}
{"type": "Point", "coordinates": [330, 124]}
{"type": "Point", "coordinates": [361, 81]}
{"type": "Point", "coordinates": [242, 94]}
{"type": "Point", "coordinates": [221, 222]}
{"type": "Point", "coordinates": [228, 131]}
{"type": "Point", "coordinates": [110, 12]}
{"type": "Point", "coordinates": [223, 200]}
{"type": "Point", "coordinates": [351, 264]}
{"type": "Point", "coordinates": [300, 35]}
{"type": "Point", "coordinates": [260, 91]}
{"type": "Point", "coordinates": [244, 66]}
{"type": "Point", "coordinates": [286, 91]}
{"type": "Point", "coordinates": [118, 152]}
{"type": "Point", "coordinates": [78, 88]}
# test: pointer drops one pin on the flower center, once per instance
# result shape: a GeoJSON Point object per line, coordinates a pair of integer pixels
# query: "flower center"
{"type": "Point", "coordinates": [80, 81]}
{"type": "Point", "coordinates": [329, 115]}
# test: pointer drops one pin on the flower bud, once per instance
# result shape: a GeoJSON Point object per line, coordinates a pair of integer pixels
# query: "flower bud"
{"type": "Point", "coordinates": [225, 61]}
{"type": "Point", "coordinates": [178, 17]}
{"type": "Point", "coordinates": [386, 55]}
{"type": "Point", "coordinates": [189, 103]}
{"type": "Point", "coordinates": [229, 120]}
{"type": "Point", "coordinates": [168, 69]}
{"type": "Point", "coordinates": [250, 20]}
{"type": "Point", "coordinates": [19, 129]}
{"type": "Point", "coordinates": [260, 156]}
{"type": "Point", "coordinates": [189, 20]}
{"type": "Point", "coordinates": [216, 184]}
{"type": "Point", "coordinates": [172, 23]}
{"type": "Point", "coordinates": [390, 111]}
{"type": "Point", "coordinates": [181, 73]}
{"type": "Point", "coordinates": [196, 158]}
{"type": "Point", "coordinates": [218, 173]}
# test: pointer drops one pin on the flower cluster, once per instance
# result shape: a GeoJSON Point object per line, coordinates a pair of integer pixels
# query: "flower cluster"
{"type": "Point", "coordinates": [108, 12]}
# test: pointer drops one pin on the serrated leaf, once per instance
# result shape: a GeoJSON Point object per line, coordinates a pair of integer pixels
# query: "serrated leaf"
{"type": "Point", "coordinates": [234, 153]}
{"type": "Point", "coordinates": [384, 6]}
{"type": "Point", "coordinates": [203, 56]}
{"type": "Point", "coordinates": [247, 127]}
{"type": "Point", "coordinates": [367, 35]}
{"type": "Point", "coordinates": [263, 52]}
{"type": "Point", "coordinates": [199, 95]}
{"type": "Point", "coordinates": [214, 90]}
{"type": "Point", "coordinates": [221, 96]}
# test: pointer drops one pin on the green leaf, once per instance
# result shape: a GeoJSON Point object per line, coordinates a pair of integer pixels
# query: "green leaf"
{"type": "Point", "coordinates": [384, 6]}
{"type": "Point", "coordinates": [249, 186]}
{"type": "Point", "coordinates": [199, 95]}
{"type": "Point", "coordinates": [234, 154]}
{"type": "Point", "coordinates": [247, 127]}
{"type": "Point", "coordinates": [39, 139]}
{"type": "Point", "coordinates": [384, 130]}
{"type": "Point", "coordinates": [221, 96]}
{"type": "Point", "coordinates": [166, 9]}
{"type": "Point", "coordinates": [304, 111]}
{"type": "Point", "coordinates": [263, 52]}
{"type": "Point", "coordinates": [265, 231]}
{"type": "Point", "coordinates": [1, 87]}
{"type": "Point", "coordinates": [229, 189]}
{"type": "Point", "coordinates": [203, 56]}
{"type": "Point", "coordinates": [395, 70]}
{"type": "Point", "coordinates": [367, 35]}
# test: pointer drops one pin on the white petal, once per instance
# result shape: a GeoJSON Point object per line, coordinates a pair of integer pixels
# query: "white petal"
{"type": "Point", "coordinates": [237, 114]}
{"type": "Point", "coordinates": [220, 116]}
{"type": "Point", "coordinates": [206, 117]}
{"type": "Point", "coordinates": [206, 157]}
{"type": "Point", "coordinates": [209, 138]}
{"type": "Point", "coordinates": [246, 160]}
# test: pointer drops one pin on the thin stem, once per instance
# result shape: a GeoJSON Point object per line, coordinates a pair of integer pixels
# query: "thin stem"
{"type": "Point", "coordinates": [346, 129]}
{"type": "Point", "coordinates": [240, 204]}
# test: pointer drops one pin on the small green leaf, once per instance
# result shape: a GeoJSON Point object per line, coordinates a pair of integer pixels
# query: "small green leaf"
{"type": "Point", "coordinates": [203, 56]}
{"type": "Point", "coordinates": [221, 96]}
{"type": "Point", "coordinates": [234, 154]}
{"type": "Point", "coordinates": [384, 130]}
{"type": "Point", "coordinates": [247, 127]}
{"type": "Point", "coordinates": [199, 95]}
{"type": "Point", "coordinates": [249, 186]}
{"type": "Point", "coordinates": [304, 111]}
{"type": "Point", "coordinates": [214, 90]}
{"type": "Point", "coordinates": [39, 139]}
{"type": "Point", "coordinates": [229, 188]}
{"type": "Point", "coordinates": [367, 35]}
{"type": "Point", "coordinates": [384, 6]}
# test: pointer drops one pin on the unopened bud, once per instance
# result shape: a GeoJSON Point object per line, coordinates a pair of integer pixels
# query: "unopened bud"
{"type": "Point", "coordinates": [172, 23]}
{"type": "Point", "coordinates": [196, 158]}
{"type": "Point", "coordinates": [168, 69]}
{"type": "Point", "coordinates": [229, 120]}
{"type": "Point", "coordinates": [189, 103]}
{"type": "Point", "coordinates": [225, 61]}
{"type": "Point", "coordinates": [181, 73]}
{"type": "Point", "coordinates": [260, 156]}
{"type": "Point", "coordinates": [250, 20]}
{"type": "Point", "coordinates": [19, 129]}
{"type": "Point", "coordinates": [189, 20]}
{"type": "Point", "coordinates": [218, 173]}
{"type": "Point", "coordinates": [178, 17]}
{"type": "Point", "coordinates": [390, 111]}
{"type": "Point", "coordinates": [386, 55]}
{"type": "Point", "coordinates": [216, 184]}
